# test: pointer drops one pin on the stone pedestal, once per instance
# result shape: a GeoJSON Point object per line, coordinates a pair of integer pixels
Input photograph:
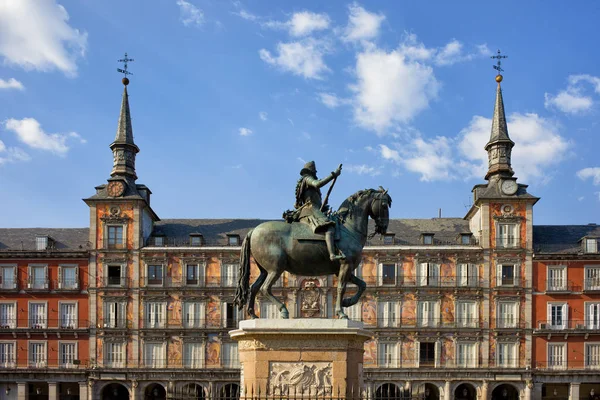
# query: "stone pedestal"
{"type": "Point", "coordinates": [296, 356]}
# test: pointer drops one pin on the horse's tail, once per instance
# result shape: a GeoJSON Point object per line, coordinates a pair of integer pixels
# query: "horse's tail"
{"type": "Point", "coordinates": [243, 288]}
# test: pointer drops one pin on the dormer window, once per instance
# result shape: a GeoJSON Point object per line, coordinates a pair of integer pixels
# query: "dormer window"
{"type": "Point", "coordinates": [233, 240]}
{"type": "Point", "coordinates": [159, 240]}
{"type": "Point", "coordinates": [388, 238]}
{"type": "Point", "coordinates": [427, 238]}
{"type": "Point", "coordinates": [196, 239]}
{"type": "Point", "coordinates": [465, 238]}
{"type": "Point", "coordinates": [590, 245]}
{"type": "Point", "coordinates": [42, 242]}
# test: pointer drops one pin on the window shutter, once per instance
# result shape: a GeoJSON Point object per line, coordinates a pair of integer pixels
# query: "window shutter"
{"type": "Point", "coordinates": [565, 319]}
{"type": "Point", "coordinates": [498, 274]}
{"type": "Point", "coordinates": [14, 277]}
{"type": "Point", "coordinates": [202, 314]}
{"type": "Point", "coordinates": [434, 270]}
{"type": "Point", "coordinates": [417, 353]}
{"type": "Point", "coordinates": [123, 275]}
{"type": "Point", "coordinates": [224, 313]}
{"type": "Point", "coordinates": [549, 314]}
{"type": "Point", "coordinates": [473, 275]}
{"type": "Point", "coordinates": [436, 313]}
{"type": "Point", "coordinates": [438, 352]}
{"type": "Point", "coordinates": [163, 315]}
{"type": "Point", "coordinates": [462, 274]}
{"type": "Point", "coordinates": [29, 278]}
{"type": "Point", "coordinates": [76, 283]}
{"type": "Point", "coordinates": [386, 313]}
{"type": "Point", "coordinates": [122, 315]}
{"type": "Point", "coordinates": [60, 277]}
{"type": "Point", "coordinates": [517, 272]}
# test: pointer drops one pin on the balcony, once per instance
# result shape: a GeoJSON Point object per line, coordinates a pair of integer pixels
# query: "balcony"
{"type": "Point", "coordinates": [591, 284]}
{"type": "Point", "coordinates": [8, 285]}
{"type": "Point", "coordinates": [43, 325]}
{"type": "Point", "coordinates": [38, 284]}
{"type": "Point", "coordinates": [166, 363]}
{"type": "Point", "coordinates": [561, 286]}
{"type": "Point", "coordinates": [510, 283]}
{"type": "Point", "coordinates": [507, 242]}
{"type": "Point", "coordinates": [450, 282]}
{"type": "Point", "coordinates": [510, 323]}
{"type": "Point", "coordinates": [429, 363]}
{"type": "Point", "coordinates": [115, 282]}
{"type": "Point", "coordinates": [576, 325]}
{"type": "Point", "coordinates": [436, 323]}
{"type": "Point", "coordinates": [112, 323]}
{"type": "Point", "coordinates": [65, 285]}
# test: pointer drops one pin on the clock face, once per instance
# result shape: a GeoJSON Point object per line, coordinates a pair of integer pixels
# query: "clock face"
{"type": "Point", "coordinates": [509, 187]}
{"type": "Point", "coordinates": [115, 188]}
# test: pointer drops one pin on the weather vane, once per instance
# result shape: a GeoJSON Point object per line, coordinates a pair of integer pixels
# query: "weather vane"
{"type": "Point", "coordinates": [498, 66]}
{"type": "Point", "coordinates": [124, 70]}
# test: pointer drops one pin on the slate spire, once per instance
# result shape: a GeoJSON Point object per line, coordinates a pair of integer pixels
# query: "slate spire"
{"type": "Point", "coordinates": [124, 149]}
{"type": "Point", "coordinates": [500, 145]}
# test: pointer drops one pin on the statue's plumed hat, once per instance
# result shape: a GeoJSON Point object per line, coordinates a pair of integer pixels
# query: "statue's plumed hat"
{"type": "Point", "coordinates": [309, 167]}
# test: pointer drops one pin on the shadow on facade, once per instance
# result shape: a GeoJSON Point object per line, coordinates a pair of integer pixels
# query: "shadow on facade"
{"type": "Point", "coordinates": [465, 391]}
{"type": "Point", "coordinates": [505, 392]}
{"type": "Point", "coordinates": [155, 391]}
{"type": "Point", "coordinates": [115, 391]}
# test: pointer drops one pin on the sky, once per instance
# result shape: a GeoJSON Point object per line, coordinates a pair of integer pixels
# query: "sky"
{"type": "Point", "coordinates": [229, 99]}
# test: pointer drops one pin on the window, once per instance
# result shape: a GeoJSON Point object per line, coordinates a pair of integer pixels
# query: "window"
{"type": "Point", "coordinates": [233, 240]}
{"type": "Point", "coordinates": [465, 238]}
{"type": "Point", "coordinates": [558, 314]}
{"type": "Point", "coordinates": [354, 312]}
{"type": "Point", "coordinates": [507, 235]}
{"type": "Point", "coordinates": [230, 275]}
{"type": "Point", "coordinates": [230, 315]}
{"type": "Point", "coordinates": [427, 354]}
{"type": "Point", "coordinates": [196, 240]}
{"type": "Point", "coordinates": [155, 275]}
{"type": "Point", "coordinates": [230, 355]}
{"type": "Point", "coordinates": [507, 315]}
{"type": "Point", "coordinates": [114, 354]}
{"type": "Point", "coordinates": [466, 355]}
{"type": "Point", "coordinates": [115, 315]}
{"type": "Point", "coordinates": [557, 279]}
{"type": "Point", "coordinates": [68, 315]}
{"type": "Point", "coordinates": [556, 355]}
{"type": "Point", "coordinates": [427, 239]}
{"type": "Point", "coordinates": [388, 239]}
{"type": "Point", "coordinates": [37, 316]}
{"type": "Point", "coordinates": [68, 277]}
{"type": "Point", "coordinates": [429, 274]}
{"type": "Point", "coordinates": [159, 240]}
{"type": "Point", "coordinates": [388, 274]}
{"type": "Point", "coordinates": [507, 275]}
{"type": "Point", "coordinates": [388, 314]}
{"type": "Point", "coordinates": [116, 275]}
{"type": "Point", "coordinates": [114, 236]}
{"type": "Point", "coordinates": [387, 355]}
{"type": "Point", "coordinates": [7, 354]}
{"type": "Point", "coordinates": [193, 355]}
{"type": "Point", "coordinates": [38, 277]}
{"type": "Point", "coordinates": [269, 310]}
{"type": "Point", "coordinates": [37, 354]}
{"type": "Point", "coordinates": [154, 355]}
{"type": "Point", "coordinates": [8, 315]}
{"type": "Point", "coordinates": [41, 243]}
{"type": "Point", "coordinates": [592, 278]}
{"type": "Point", "coordinates": [428, 313]}
{"type": "Point", "coordinates": [67, 354]}
{"type": "Point", "coordinates": [8, 277]}
{"type": "Point", "coordinates": [590, 245]}
{"type": "Point", "coordinates": [194, 275]}
{"type": "Point", "coordinates": [506, 355]}
{"type": "Point", "coordinates": [466, 314]}
{"type": "Point", "coordinates": [156, 314]}
{"type": "Point", "coordinates": [592, 355]}
{"type": "Point", "coordinates": [193, 314]}
{"type": "Point", "coordinates": [592, 315]}
{"type": "Point", "coordinates": [466, 275]}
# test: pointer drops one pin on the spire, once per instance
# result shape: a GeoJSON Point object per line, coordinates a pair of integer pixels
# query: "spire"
{"type": "Point", "coordinates": [499, 146]}
{"type": "Point", "coordinates": [124, 148]}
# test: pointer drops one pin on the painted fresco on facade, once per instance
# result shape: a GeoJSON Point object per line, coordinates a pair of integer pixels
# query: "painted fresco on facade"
{"type": "Point", "coordinates": [213, 351]}
{"type": "Point", "coordinates": [369, 310]}
{"type": "Point", "coordinates": [370, 355]}
{"type": "Point", "coordinates": [174, 351]}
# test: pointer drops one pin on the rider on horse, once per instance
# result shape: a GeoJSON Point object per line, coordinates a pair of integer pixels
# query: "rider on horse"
{"type": "Point", "coordinates": [309, 204]}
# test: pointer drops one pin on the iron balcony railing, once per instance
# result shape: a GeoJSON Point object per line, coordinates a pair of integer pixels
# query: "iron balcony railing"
{"type": "Point", "coordinates": [115, 282]}
{"type": "Point", "coordinates": [8, 284]}
{"type": "Point", "coordinates": [423, 281]}
{"type": "Point", "coordinates": [10, 324]}
{"type": "Point", "coordinates": [426, 363]}
{"type": "Point", "coordinates": [65, 284]}
{"type": "Point", "coordinates": [591, 284]}
{"type": "Point", "coordinates": [44, 363]}
{"type": "Point", "coordinates": [169, 363]}
{"type": "Point", "coordinates": [507, 242]}
{"type": "Point", "coordinates": [113, 323]}
{"type": "Point", "coordinates": [38, 283]}
{"type": "Point", "coordinates": [588, 363]}
{"type": "Point", "coordinates": [509, 282]}
{"type": "Point", "coordinates": [510, 323]}
{"type": "Point", "coordinates": [567, 324]}
{"type": "Point", "coordinates": [561, 285]}
{"type": "Point", "coordinates": [395, 322]}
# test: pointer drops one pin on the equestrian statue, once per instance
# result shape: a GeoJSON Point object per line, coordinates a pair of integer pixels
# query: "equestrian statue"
{"type": "Point", "coordinates": [313, 241]}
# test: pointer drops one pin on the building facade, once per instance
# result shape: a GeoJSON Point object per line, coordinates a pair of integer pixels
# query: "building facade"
{"type": "Point", "coordinates": [486, 307]}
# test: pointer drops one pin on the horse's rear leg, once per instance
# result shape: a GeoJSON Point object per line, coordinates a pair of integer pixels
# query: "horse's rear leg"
{"type": "Point", "coordinates": [254, 290]}
{"type": "Point", "coordinates": [266, 290]}
{"type": "Point", "coordinates": [347, 302]}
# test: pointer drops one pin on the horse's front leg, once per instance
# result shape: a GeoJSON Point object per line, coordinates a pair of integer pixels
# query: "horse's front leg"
{"type": "Point", "coordinates": [341, 289]}
{"type": "Point", "coordinates": [361, 288]}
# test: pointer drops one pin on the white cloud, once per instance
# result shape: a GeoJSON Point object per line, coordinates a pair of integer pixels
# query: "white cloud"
{"type": "Point", "coordinates": [245, 131]}
{"type": "Point", "coordinates": [390, 89]}
{"type": "Point", "coordinates": [389, 154]}
{"type": "Point", "coordinates": [363, 169]}
{"type": "Point", "coordinates": [190, 14]}
{"type": "Point", "coordinates": [12, 154]}
{"type": "Point", "coordinates": [246, 15]}
{"type": "Point", "coordinates": [432, 159]}
{"type": "Point", "coordinates": [306, 22]}
{"type": "Point", "coordinates": [362, 25]}
{"type": "Point", "coordinates": [12, 83]}
{"type": "Point", "coordinates": [303, 58]}
{"type": "Point", "coordinates": [593, 173]}
{"type": "Point", "coordinates": [451, 53]}
{"type": "Point", "coordinates": [30, 132]}
{"type": "Point", "coordinates": [594, 80]}
{"type": "Point", "coordinates": [331, 100]}
{"type": "Point", "coordinates": [263, 115]}
{"type": "Point", "coordinates": [572, 100]}
{"type": "Point", "coordinates": [35, 34]}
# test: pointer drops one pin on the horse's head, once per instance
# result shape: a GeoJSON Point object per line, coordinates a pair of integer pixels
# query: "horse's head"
{"type": "Point", "coordinates": [380, 209]}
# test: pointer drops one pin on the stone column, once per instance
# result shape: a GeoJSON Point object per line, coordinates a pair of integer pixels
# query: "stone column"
{"type": "Point", "coordinates": [447, 395]}
{"type": "Point", "coordinates": [527, 391]}
{"type": "Point", "coordinates": [537, 391]}
{"type": "Point", "coordinates": [52, 391]}
{"type": "Point", "coordinates": [83, 391]}
{"type": "Point", "coordinates": [484, 391]}
{"type": "Point", "coordinates": [134, 385]}
{"type": "Point", "coordinates": [574, 391]}
{"type": "Point", "coordinates": [22, 391]}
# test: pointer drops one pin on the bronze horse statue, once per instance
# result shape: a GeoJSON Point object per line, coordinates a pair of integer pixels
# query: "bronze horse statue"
{"type": "Point", "coordinates": [278, 246]}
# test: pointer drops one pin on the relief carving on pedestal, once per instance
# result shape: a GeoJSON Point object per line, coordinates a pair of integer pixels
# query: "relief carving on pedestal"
{"type": "Point", "coordinates": [300, 378]}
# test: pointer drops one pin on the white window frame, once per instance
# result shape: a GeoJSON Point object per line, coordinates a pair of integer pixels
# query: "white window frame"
{"type": "Point", "coordinates": [437, 351]}
{"type": "Point", "coordinates": [268, 309]}
{"type": "Point", "coordinates": [41, 242]}
{"type": "Point", "coordinates": [112, 349]}
{"type": "Point", "coordinates": [33, 282]}
{"type": "Point", "coordinates": [61, 363]}
{"type": "Point", "coordinates": [230, 356]}
{"type": "Point", "coordinates": [388, 354]}
{"type": "Point", "coordinates": [42, 323]}
{"type": "Point", "coordinates": [200, 274]}
{"type": "Point", "coordinates": [236, 317]}
{"type": "Point", "coordinates": [512, 360]}
{"type": "Point", "coordinates": [60, 282]}
{"type": "Point", "coordinates": [553, 319]}
{"type": "Point", "coordinates": [467, 318]}
{"type": "Point", "coordinates": [470, 359]}
{"type": "Point", "coordinates": [74, 322]}
{"type": "Point", "coordinates": [590, 245]}
{"type": "Point", "coordinates": [163, 269]}
{"type": "Point", "coordinates": [122, 275]}
{"type": "Point", "coordinates": [429, 274]}
{"type": "Point", "coordinates": [556, 278]}
{"type": "Point", "coordinates": [556, 361]}
{"type": "Point", "coordinates": [117, 317]}
{"type": "Point", "coordinates": [516, 274]}
{"type": "Point", "coordinates": [592, 314]}
{"type": "Point", "coordinates": [467, 275]}
{"type": "Point", "coordinates": [354, 312]}
{"type": "Point", "coordinates": [229, 279]}
{"type": "Point", "coordinates": [592, 361]}
{"type": "Point", "coordinates": [428, 313]}
{"type": "Point", "coordinates": [9, 359]}
{"type": "Point", "coordinates": [11, 316]}
{"type": "Point", "coordinates": [11, 284]}
{"type": "Point", "coordinates": [193, 362]}
{"type": "Point", "coordinates": [388, 313]}
{"type": "Point", "coordinates": [196, 310]}
{"type": "Point", "coordinates": [121, 245]}
{"type": "Point", "coordinates": [592, 277]}
{"type": "Point", "coordinates": [35, 362]}
{"type": "Point", "coordinates": [504, 322]}
{"type": "Point", "coordinates": [381, 277]}
{"type": "Point", "coordinates": [156, 314]}
{"type": "Point", "coordinates": [153, 363]}
{"type": "Point", "coordinates": [504, 240]}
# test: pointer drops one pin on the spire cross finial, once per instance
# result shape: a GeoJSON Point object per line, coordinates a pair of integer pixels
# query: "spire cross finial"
{"type": "Point", "coordinates": [125, 61]}
{"type": "Point", "coordinates": [498, 66]}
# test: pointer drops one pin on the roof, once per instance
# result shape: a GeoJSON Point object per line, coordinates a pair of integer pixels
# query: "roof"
{"type": "Point", "coordinates": [561, 238]}
{"type": "Point", "coordinates": [499, 128]}
{"type": "Point", "coordinates": [215, 231]}
{"type": "Point", "coordinates": [23, 239]}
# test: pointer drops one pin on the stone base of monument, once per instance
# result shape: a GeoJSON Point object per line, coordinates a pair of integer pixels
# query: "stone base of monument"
{"type": "Point", "coordinates": [301, 357]}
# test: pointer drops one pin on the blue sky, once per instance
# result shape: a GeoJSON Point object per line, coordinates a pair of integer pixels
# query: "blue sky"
{"type": "Point", "coordinates": [228, 100]}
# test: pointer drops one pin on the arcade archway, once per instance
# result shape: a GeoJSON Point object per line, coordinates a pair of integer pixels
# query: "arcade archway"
{"type": "Point", "coordinates": [388, 391]}
{"type": "Point", "coordinates": [229, 391]}
{"type": "Point", "coordinates": [155, 391]}
{"type": "Point", "coordinates": [505, 392]}
{"type": "Point", "coordinates": [114, 391]}
{"type": "Point", "coordinates": [465, 391]}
